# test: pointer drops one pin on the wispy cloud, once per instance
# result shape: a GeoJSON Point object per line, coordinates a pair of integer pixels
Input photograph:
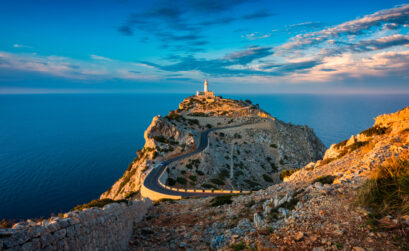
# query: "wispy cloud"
{"type": "Point", "coordinates": [179, 24]}
{"type": "Point", "coordinates": [256, 35]}
{"type": "Point", "coordinates": [96, 57]}
{"type": "Point", "coordinates": [72, 68]}
{"type": "Point", "coordinates": [21, 46]}
{"type": "Point", "coordinates": [393, 18]}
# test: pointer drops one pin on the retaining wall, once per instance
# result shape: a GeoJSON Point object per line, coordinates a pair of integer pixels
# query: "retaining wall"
{"type": "Point", "coordinates": [107, 228]}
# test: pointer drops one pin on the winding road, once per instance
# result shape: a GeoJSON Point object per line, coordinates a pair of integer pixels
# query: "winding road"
{"type": "Point", "coordinates": [152, 183]}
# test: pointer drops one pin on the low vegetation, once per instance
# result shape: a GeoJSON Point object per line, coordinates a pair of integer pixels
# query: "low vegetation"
{"type": "Point", "coordinates": [376, 130]}
{"type": "Point", "coordinates": [267, 178]}
{"type": "Point", "coordinates": [386, 192]}
{"type": "Point", "coordinates": [5, 224]}
{"type": "Point", "coordinates": [287, 173]}
{"type": "Point", "coordinates": [221, 200]}
{"type": "Point", "coordinates": [98, 203]}
{"type": "Point", "coordinates": [328, 179]}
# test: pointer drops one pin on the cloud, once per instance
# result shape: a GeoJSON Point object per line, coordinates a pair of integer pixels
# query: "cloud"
{"type": "Point", "coordinates": [21, 46]}
{"type": "Point", "coordinates": [393, 18]}
{"type": "Point", "coordinates": [96, 57]}
{"type": "Point", "coordinates": [255, 36]}
{"type": "Point", "coordinates": [65, 67]}
{"type": "Point", "coordinates": [178, 25]}
{"type": "Point", "coordinates": [237, 64]}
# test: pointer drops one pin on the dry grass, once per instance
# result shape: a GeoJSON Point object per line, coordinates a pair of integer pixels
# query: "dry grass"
{"type": "Point", "coordinates": [387, 189]}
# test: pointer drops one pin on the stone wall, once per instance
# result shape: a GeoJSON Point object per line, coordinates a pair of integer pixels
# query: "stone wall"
{"type": "Point", "coordinates": [107, 228]}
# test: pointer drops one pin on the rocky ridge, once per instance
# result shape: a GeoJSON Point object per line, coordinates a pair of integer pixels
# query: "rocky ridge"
{"type": "Point", "coordinates": [247, 157]}
{"type": "Point", "coordinates": [314, 209]}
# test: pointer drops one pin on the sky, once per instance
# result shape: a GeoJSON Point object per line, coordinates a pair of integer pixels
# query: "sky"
{"type": "Point", "coordinates": [240, 46]}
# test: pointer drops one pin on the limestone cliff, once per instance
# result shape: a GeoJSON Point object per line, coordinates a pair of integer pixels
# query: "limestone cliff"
{"type": "Point", "coordinates": [316, 208]}
{"type": "Point", "coordinates": [246, 157]}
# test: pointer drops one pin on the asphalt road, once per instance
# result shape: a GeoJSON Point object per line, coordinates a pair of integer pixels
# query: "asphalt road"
{"type": "Point", "coordinates": [152, 179]}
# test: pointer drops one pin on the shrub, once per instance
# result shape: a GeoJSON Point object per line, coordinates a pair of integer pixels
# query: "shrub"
{"type": "Point", "coordinates": [376, 130]}
{"type": "Point", "coordinates": [287, 173]}
{"type": "Point", "coordinates": [341, 144]}
{"type": "Point", "coordinates": [209, 126]}
{"type": "Point", "coordinates": [217, 182]}
{"type": "Point", "coordinates": [267, 178]}
{"type": "Point", "coordinates": [208, 186]}
{"type": "Point", "coordinates": [181, 180]}
{"type": "Point", "coordinates": [97, 203]}
{"type": "Point", "coordinates": [131, 194]}
{"type": "Point", "coordinates": [328, 179]}
{"type": "Point", "coordinates": [239, 246]}
{"type": "Point", "coordinates": [282, 162]}
{"type": "Point", "coordinates": [5, 224]}
{"type": "Point", "coordinates": [192, 177]}
{"type": "Point", "coordinates": [387, 191]}
{"type": "Point", "coordinates": [273, 145]}
{"type": "Point", "coordinates": [171, 182]}
{"type": "Point", "coordinates": [326, 161]}
{"type": "Point", "coordinates": [238, 173]}
{"type": "Point", "coordinates": [220, 200]}
{"type": "Point", "coordinates": [223, 174]}
{"type": "Point", "coordinates": [161, 139]}
{"type": "Point", "coordinates": [199, 172]}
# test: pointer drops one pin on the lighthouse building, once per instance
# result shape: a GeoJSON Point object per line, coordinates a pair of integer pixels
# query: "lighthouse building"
{"type": "Point", "coordinates": [205, 93]}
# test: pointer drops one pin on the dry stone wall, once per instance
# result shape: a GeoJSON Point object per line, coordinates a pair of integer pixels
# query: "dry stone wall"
{"type": "Point", "coordinates": [107, 228]}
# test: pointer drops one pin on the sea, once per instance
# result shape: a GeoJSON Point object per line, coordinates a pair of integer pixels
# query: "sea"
{"type": "Point", "coordinates": [61, 150]}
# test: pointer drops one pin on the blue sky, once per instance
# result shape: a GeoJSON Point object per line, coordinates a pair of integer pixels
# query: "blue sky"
{"type": "Point", "coordinates": [241, 46]}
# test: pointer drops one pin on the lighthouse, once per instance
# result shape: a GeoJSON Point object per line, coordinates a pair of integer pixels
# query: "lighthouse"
{"type": "Point", "coordinates": [205, 93]}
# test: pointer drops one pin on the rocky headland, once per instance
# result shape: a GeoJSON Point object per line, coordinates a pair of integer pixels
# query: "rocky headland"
{"type": "Point", "coordinates": [247, 157]}
{"type": "Point", "coordinates": [326, 205]}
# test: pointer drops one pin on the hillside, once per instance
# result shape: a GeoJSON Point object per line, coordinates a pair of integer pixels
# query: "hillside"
{"type": "Point", "coordinates": [247, 157]}
{"type": "Point", "coordinates": [330, 204]}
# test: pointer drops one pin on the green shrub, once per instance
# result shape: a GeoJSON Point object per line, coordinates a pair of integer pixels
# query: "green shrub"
{"type": "Point", "coordinates": [221, 200]}
{"type": "Point", "coordinates": [273, 145]}
{"type": "Point", "coordinates": [199, 172]}
{"type": "Point", "coordinates": [376, 130]}
{"type": "Point", "coordinates": [287, 173]}
{"type": "Point", "coordinates": [217, 182]}
{"type": "Point", "coordinates": [328, 179]}
{"type": "Point", "coordinates": [267, 178]}
{"type": "Point", "coordinates": [193, 178]}
{"type": "Point", "coordinates": [161, 139]}
{"type": "Point", "coordinates": [223, 174]}
{"type": "Point", "coordinates": [171, 182]}
{"type": "Point", "coordinates": [239, 246]}
{"type": "Point", "coordinates": [181, 180]}
{"type": "Point", "coordinates": [387, 191]}
{"type": "Point", "coordinates": [282, 162]}
{"type": "Point", "coordinates": [208, 186]}
{"type": "Point", "coordinates": [97, 203]}
{"type": "Point", "coordinates": [238, 173]}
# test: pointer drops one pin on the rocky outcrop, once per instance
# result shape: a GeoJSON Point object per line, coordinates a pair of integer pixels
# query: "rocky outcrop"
{"type": "Point", "coordinates": [245, 157]}
{"type": "Point", "coordinates": [315, 209]}
{"type": "Point", "coordinates": [107, 228]}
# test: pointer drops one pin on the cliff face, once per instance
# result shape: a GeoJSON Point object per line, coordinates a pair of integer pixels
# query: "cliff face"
{"type": "Point", "coordinates": [314, 209]}
{"type": "Point", "coordinates": [246, 157]}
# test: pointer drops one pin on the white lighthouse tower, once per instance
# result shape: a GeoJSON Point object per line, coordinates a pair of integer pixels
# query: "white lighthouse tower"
{"type": "Point", "coordinates": [205, 93]}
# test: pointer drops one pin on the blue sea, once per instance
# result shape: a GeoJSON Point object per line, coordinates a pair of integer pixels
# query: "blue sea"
{"type": "Point", "coordinates": [61, 150]}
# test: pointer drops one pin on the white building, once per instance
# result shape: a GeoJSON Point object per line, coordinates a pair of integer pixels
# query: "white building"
{"type": "Point", "coordinates": [205, 93]}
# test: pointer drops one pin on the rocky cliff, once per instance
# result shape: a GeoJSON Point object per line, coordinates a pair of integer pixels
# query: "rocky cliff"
{"type": "Point", "coordinates": [247, 157]}
{"type": "Point", "coordinates": [319, 207]}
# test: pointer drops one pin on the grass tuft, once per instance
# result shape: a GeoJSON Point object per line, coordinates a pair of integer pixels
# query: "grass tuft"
{"type": "Point", "coordinates": [387, 190]}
